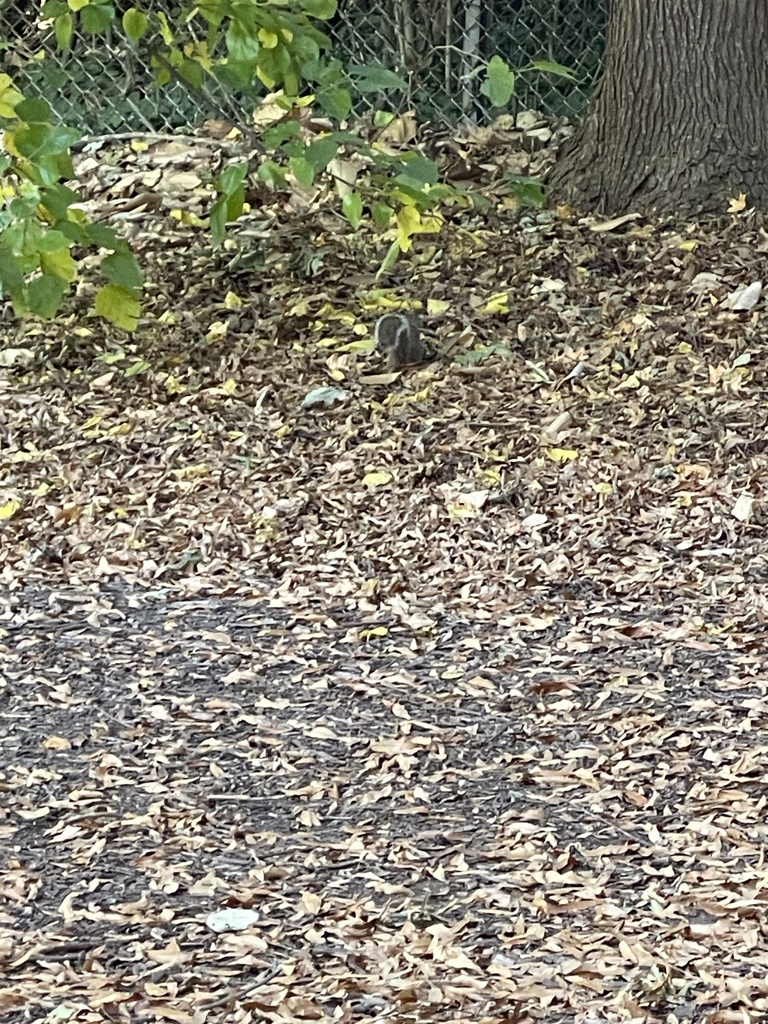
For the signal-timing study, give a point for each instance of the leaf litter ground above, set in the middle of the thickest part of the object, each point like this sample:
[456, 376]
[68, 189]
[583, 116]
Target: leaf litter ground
[458, 685]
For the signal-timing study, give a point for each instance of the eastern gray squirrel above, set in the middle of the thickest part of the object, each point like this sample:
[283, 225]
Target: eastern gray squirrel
[399, 339]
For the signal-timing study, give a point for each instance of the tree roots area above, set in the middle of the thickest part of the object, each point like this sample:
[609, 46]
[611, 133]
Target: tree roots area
[335, 694]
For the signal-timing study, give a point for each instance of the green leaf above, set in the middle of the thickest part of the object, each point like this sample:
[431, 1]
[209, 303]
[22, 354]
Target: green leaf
[527, 191]
[191, 71]
[117, 305]
[44, 295]
[242, 46]
[552, 68]
[421, 200]
[38, 140]
[217, 220]
[305, 49]
[382, 214]
[335, 101]
[302, 170]
[123, 268]
[11, 274]
[57, 199]
[375, 78]
[499, 86]
[275, 65]
[322, 9]
[320, 153]
[53, 8]
[139, 366]
[226, 209]
[352, 207]
[271, 173]
[49, 169]
[135, 24]
[231, 178]
[422, 169]
[24, 206]
[393, 254]
[62, 28]
[96, 17]
[101, 235]
[281, 133]
[382, 118]
[326, 72]
[235, 203]
[52, 241]
[33, 110]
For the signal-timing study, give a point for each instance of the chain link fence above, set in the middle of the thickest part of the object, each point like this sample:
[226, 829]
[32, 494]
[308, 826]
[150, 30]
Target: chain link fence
[439, 47]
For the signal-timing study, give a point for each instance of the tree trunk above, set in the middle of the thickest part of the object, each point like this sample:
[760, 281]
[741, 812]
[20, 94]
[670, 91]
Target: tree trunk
[679, 120]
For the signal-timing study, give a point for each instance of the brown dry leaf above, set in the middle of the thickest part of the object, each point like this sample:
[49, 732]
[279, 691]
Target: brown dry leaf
[479, 739]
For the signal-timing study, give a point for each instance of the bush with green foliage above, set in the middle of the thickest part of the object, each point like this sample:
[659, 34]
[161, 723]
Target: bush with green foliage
[276, 44]
[40, 224]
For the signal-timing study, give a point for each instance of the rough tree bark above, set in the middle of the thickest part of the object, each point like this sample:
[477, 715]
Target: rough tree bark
[679, 120]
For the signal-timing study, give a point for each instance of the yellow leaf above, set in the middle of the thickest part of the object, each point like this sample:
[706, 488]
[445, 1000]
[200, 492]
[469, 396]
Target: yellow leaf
[9, 97]
[498, 303]
[232, 301]
[562, 454]
[267, 39]
[189, 219]
[218, 329]
[689, 246]
[374, 631]
[191, 472]
[379, 478]
[174, 386]
[460, 510]
[60, 264]
[408, 223]
[9, 509]
[119, 430]
[165, 29]
[139, 146]
[432, 224]
[265, 79]
[491, 477]
[117, 305]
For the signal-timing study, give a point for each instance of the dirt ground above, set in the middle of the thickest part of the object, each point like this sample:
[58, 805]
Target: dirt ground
[457, 685]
